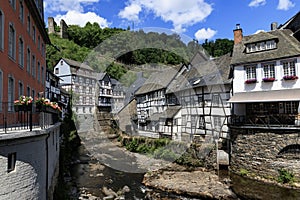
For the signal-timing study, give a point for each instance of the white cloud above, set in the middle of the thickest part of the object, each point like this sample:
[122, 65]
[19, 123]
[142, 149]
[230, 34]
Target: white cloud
[203, 34]
[256, 3]
[182, 13]
[66, 5]
[131, 12]
[285, 5]
[77, 18]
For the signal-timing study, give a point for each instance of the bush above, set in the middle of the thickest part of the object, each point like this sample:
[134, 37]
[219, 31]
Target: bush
[285, 176]
[243, 172]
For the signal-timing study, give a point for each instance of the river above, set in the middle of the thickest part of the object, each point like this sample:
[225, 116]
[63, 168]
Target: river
[91, 176]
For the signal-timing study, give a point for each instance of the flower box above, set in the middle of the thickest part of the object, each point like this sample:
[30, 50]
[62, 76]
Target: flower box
[292, 77]
[250, 81]
[268, 79]
[23, 107]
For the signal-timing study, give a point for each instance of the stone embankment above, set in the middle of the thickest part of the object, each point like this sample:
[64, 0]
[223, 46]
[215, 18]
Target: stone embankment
[197, 183]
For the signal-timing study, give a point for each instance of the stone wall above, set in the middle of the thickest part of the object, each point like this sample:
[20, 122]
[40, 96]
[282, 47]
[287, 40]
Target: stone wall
[258, 152]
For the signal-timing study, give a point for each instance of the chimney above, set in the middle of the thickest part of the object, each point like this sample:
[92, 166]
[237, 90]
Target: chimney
[274, 26]
[238, 34]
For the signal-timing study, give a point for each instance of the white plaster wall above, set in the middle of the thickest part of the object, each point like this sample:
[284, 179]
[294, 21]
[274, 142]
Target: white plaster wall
[279, 84]
[64, 72]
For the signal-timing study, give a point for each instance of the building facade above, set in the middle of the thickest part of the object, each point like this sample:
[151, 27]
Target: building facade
[23, 40]
[265, 121]
[80, 80]
[151, 101]
[105, 92]
[200, 95]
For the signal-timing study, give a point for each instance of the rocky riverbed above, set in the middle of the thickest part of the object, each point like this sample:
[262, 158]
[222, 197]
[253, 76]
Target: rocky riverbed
[196, 183]
[98, 174]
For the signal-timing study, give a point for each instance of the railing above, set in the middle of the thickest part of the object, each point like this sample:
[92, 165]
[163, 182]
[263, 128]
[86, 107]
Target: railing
[12, 119]
[270, 120]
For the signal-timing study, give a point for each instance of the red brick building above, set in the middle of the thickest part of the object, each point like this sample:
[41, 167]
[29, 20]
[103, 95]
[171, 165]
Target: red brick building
[23, 40]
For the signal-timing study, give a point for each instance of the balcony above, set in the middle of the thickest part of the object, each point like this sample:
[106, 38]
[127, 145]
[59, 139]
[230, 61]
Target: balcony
[266, 121]
[15, 120]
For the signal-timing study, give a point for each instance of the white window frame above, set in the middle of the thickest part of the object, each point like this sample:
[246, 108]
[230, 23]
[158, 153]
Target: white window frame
[269, 70]
[289, 68]
[250, 71]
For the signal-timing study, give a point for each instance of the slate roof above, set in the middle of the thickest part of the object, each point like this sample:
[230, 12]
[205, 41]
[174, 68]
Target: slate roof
[77, 64]
[169, 113]
[211, 72]
[158, 80]
[287, 46]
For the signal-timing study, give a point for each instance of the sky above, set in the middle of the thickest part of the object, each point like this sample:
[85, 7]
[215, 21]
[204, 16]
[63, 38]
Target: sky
[194, 19]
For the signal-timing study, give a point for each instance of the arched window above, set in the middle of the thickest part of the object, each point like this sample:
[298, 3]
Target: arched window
[11, 42]
[21, 52]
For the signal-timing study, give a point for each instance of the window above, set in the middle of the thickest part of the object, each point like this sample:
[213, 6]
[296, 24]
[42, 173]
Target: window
[11, 42]
[21, 11]
[56, 70]
[291, 107]
[28, 60]
[39, 43]
[260, 46]
[42, 75]
[33, 70]
[21, 52]
[251, 72]
[11, 95]
[28, 91]
[289, 68]
[39, 72]
[184, 120]
[193, 121]
[217, 122]
[11, 161]
[28, 24]
[33, 93]
[33, 33]
[271, 44]
[21, 88]
[13, 3]
[215, 99]
[201, 122]
[1, 30]
[269, 70]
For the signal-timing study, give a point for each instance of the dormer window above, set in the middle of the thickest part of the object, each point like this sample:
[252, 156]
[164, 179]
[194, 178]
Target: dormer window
[260, 46]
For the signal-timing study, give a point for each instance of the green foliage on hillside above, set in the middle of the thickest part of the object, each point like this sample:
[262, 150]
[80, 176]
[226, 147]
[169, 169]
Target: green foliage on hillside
[219, 47]
[64, 48]
[114, 49]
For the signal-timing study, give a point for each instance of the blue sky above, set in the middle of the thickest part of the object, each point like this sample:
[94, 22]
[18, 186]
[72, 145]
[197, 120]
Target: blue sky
[196, 19]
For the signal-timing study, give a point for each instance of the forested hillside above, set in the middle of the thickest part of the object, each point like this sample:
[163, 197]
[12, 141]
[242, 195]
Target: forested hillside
[114, 49]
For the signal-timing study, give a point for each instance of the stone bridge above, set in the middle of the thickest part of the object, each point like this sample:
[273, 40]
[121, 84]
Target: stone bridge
[262, 153]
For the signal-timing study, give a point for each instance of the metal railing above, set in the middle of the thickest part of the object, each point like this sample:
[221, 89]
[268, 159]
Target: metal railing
[12, 119]
[266, 120]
